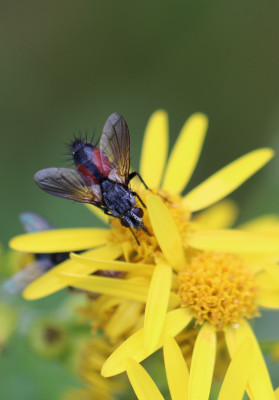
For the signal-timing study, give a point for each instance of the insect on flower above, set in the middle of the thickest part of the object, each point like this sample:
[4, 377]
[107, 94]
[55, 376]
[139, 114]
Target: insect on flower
[33, 222]
[102, 177]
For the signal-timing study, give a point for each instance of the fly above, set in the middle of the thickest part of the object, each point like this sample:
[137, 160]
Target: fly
[102, 175]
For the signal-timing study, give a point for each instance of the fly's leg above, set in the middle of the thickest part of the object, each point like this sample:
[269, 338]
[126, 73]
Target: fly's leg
[135, 173]
[132, 175]
[107, 212]
[101, 207]
[134, 235]
[136, 195]
[104, 209]
[146, 230]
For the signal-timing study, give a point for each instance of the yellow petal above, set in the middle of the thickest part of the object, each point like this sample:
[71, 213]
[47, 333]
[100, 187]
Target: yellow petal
[154, 149]
[185, 154]
[219, 216]
[59, 240]
[237, 375]
[202, 363]
[127, 250]
[264, 223]
[133, 347]
[156, 305]
[266, 282]
[174, 302]
[124, 318]
[259, 384]
[141, 382]
[127, 289]
[138, 325]
[166, 232]
[277, 394]
[50, 282]
[103, 305]
[176, 370]
[260, 258]
[268, 296]
[99, 213]
[254, 263]
[234, 241]
[112, 265]
[269, 300]
[227, 179]
[272, 269]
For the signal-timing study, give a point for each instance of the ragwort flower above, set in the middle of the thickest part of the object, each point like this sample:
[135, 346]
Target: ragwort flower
[218, 287]
[193, 385]
[181, 271]
[91, 358]
[117, 243]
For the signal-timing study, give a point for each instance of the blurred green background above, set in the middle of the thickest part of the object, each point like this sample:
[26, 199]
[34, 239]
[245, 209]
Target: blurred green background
[66, 65]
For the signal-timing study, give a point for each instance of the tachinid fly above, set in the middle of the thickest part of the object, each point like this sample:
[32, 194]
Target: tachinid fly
[102, 176]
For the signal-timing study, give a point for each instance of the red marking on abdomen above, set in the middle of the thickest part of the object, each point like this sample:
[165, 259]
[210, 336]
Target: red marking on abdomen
[102, 162]
[88, 176]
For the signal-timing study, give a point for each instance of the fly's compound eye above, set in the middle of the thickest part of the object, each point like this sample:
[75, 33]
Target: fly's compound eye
[125, 222]
[138, 212]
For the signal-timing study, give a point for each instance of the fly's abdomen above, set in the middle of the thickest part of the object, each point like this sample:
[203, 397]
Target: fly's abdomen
[83, 157]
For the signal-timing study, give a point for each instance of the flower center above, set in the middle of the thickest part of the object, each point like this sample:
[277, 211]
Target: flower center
[218, 288]
[52, 334]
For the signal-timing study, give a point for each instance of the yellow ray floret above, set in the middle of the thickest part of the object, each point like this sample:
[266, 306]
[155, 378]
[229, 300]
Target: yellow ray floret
[130, 289]
[51, 281]
[155, 149]
[124, 318]
[219, 216]
[259, 384]
[137, 375]
[269, 290]
[156, 305]
[234, 241]
[238, 372]
[166, 232]
[232, 388]
[202, 364]
[226, 180]
[60, 240]
[185, 154]
[85, 259]
[133, 347]
[176, 370]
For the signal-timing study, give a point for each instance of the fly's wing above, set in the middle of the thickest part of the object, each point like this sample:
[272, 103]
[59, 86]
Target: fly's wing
[33, 222]
[115, 144]
[68, 184]
[21, 279]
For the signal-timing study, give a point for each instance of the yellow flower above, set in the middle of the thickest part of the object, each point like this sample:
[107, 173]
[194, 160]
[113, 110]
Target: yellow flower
[215, 286]
[91, 357]
[117, 243]
[181, 271]
[196, 384]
